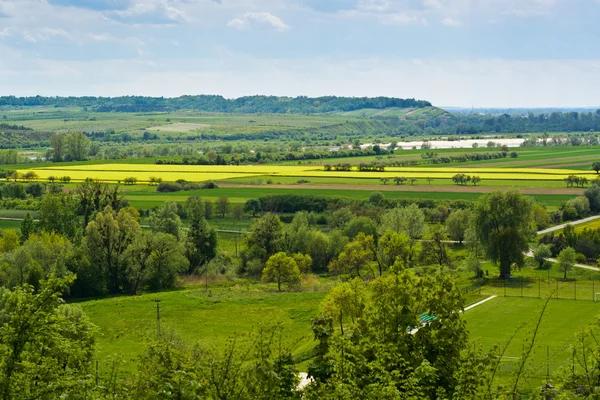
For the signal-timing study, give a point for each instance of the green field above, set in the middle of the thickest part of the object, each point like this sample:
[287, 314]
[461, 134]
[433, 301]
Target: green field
[146, 197]
[495, 321]
[201, 317]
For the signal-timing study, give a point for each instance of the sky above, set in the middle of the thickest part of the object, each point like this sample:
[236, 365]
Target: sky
[465, 53]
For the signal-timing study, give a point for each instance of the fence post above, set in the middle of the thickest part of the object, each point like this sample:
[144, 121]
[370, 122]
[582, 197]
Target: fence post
[547, 363]
[522, 284]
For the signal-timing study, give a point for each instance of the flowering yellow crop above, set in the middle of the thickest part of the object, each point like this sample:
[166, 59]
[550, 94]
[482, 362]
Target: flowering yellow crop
[200, 173]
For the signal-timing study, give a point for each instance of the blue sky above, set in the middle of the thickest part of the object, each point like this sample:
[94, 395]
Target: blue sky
[482, 53]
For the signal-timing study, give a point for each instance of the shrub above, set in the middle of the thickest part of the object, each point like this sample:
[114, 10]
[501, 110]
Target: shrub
[209, 185]
[166, 187]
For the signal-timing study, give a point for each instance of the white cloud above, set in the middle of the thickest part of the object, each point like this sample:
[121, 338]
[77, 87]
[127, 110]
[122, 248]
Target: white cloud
[150, 10]
[403, 19]
[107, 37]
[258, 20]
[451, 22]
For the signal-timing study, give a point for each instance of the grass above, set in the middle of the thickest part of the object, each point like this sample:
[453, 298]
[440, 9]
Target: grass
[493, 322]
[201, 317]
[588, 225]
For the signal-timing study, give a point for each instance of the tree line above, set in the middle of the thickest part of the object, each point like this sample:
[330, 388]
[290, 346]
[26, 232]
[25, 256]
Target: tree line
[213, 103]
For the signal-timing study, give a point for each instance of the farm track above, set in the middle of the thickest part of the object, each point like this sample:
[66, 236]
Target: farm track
[408, 188]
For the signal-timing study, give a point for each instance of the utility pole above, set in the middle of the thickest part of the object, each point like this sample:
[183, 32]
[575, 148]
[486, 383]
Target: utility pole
[236, 237]
[157, 301]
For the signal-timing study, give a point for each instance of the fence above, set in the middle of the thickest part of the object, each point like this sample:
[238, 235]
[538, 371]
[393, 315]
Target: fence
[539, 287]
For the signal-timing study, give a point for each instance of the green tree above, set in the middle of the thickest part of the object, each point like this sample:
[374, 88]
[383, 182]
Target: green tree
[281, 268]
[223, 206]
[107, 239]
[303, 261]
[238, 212]
[28, 227]
[77, 146]
[354, 258]
[596, 166]
[541, 253]
[410, 220]
[253, 206]
[202, 240]
[420, 363]
[138, 261]
[166, 262]
[43, 256]
[457, 224]
[266, 237]
[208, 209]
[504, 225]
[94, 196]
[346, 302]
[593, 195]
[57, 142]
[435, 246]
[46, 347]
[166, 220]
[540, 216]
[394, 247]
[359, 225]
[339, 218]
[58, 213]
[9, 240]
[376, 198]
[566, 260]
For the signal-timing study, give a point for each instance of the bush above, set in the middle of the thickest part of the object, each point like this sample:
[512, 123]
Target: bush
[167, 187]
[209, 185]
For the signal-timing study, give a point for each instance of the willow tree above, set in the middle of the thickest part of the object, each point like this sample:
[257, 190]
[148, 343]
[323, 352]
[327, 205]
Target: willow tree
[504, 224]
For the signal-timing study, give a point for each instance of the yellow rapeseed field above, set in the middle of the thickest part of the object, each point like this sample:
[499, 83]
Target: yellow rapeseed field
[200, 173]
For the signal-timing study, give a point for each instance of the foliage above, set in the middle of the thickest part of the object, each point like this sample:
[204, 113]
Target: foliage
[435, 247]
[201, 241]
[504, 225]
[457, 224]
[58, 214]
[566, 260]
[541, 253]
[356, 256]
[409, 364]
[281, 268]
[214, 103]
[265, 239]
[46, 347]
[223, 206]
[166, 220]
[107, 239]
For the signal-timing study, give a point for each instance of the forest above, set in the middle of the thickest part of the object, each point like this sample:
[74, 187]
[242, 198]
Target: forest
[249, 104]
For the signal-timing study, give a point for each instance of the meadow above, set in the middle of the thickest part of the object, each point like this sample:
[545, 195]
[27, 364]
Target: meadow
[207, 318]
[497, 320]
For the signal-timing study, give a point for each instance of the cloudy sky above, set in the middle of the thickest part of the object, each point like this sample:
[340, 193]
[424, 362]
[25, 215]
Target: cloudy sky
[482, 53]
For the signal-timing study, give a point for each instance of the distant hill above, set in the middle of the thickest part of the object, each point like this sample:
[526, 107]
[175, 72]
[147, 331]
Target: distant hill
[211, 103]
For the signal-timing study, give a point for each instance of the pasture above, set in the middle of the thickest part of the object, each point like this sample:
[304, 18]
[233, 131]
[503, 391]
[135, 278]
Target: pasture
[496, 321]
[206, 318]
